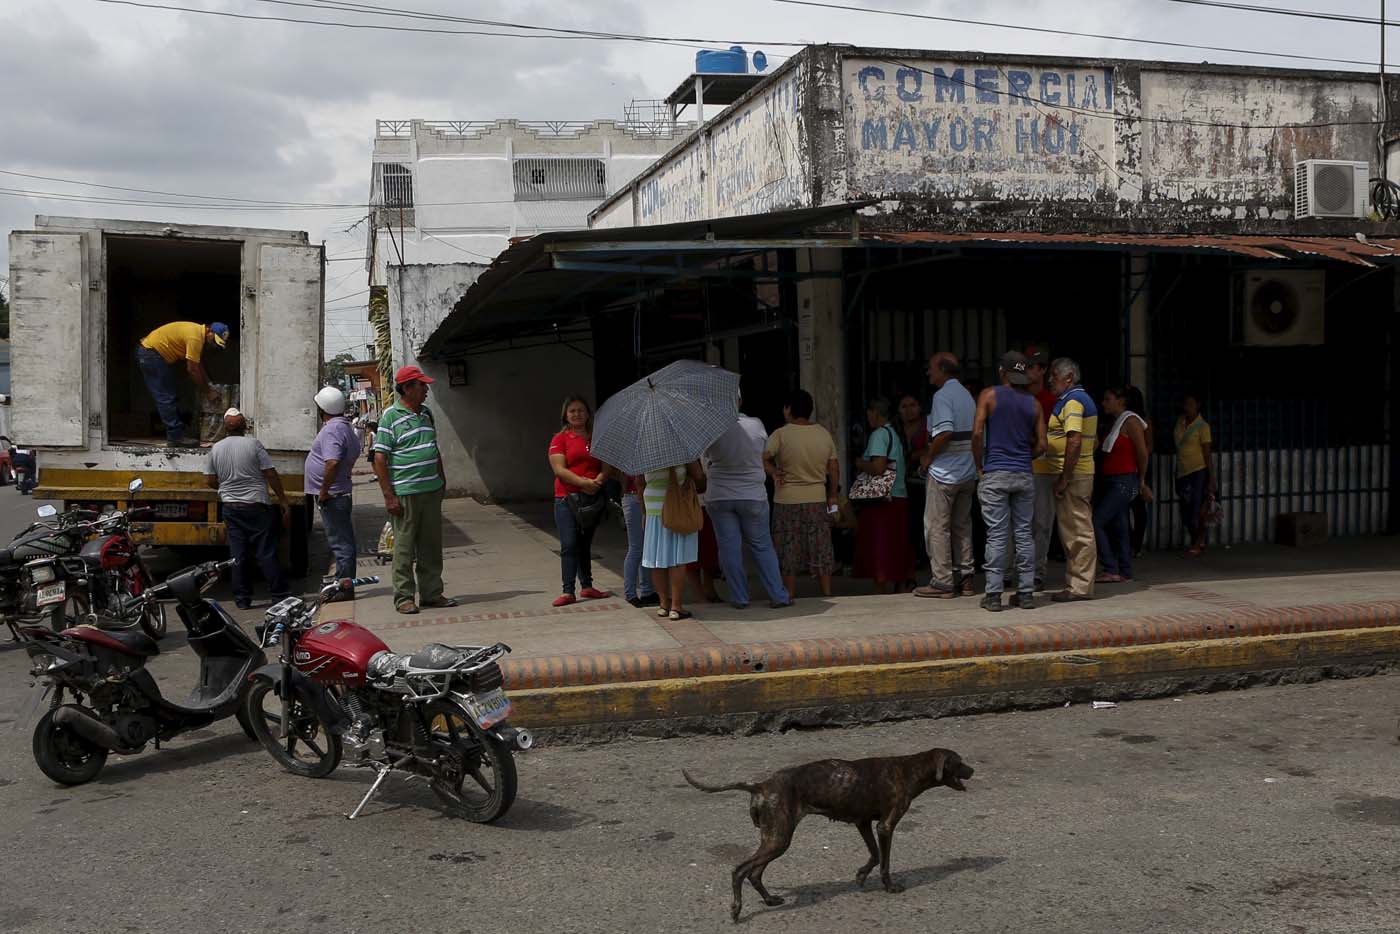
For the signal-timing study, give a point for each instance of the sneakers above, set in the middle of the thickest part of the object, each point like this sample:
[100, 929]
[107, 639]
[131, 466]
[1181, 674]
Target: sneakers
[775, 605]
[1023, 601]
[992, 603]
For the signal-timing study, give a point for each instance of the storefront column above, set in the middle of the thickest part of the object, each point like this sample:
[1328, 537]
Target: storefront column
[821, 342]
[1139, 319]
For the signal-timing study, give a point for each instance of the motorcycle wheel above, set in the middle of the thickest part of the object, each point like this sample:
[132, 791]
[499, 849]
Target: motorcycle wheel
[65, 756]
[475, 779]
[309, 750]
[153, 621]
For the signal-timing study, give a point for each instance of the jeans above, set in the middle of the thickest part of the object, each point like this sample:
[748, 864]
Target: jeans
[635, 584]
[253, 533]
[1191, 496]
[160, 382]
[575, 547]
[340, 533]
[1008, 509]
[1044, 524]
[1111, 526]
[744, 522]
[418, 547]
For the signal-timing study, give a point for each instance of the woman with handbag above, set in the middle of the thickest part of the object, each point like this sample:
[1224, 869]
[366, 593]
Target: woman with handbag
[672, 539]
[579, 501]
[882, 539]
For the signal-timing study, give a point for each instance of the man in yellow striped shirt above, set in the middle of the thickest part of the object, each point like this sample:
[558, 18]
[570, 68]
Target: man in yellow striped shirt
[1071, 435]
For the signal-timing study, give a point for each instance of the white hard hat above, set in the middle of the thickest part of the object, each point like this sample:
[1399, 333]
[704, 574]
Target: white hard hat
[331, 400]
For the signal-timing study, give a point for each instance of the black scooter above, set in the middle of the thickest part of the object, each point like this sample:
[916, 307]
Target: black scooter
[117, 705]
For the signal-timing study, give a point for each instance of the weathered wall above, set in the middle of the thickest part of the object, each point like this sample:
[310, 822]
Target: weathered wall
[494, 431]
[966, 140]
[750, 160]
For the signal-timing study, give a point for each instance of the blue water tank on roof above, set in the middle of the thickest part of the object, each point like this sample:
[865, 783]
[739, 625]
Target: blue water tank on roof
[735, 61]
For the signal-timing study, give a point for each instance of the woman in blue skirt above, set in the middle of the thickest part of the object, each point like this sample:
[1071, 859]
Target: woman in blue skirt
[665, 552]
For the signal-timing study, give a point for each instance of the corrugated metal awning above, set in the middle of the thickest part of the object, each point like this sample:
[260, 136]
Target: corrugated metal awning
[1361, 252]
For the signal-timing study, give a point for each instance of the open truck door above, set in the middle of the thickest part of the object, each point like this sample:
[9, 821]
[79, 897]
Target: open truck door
[48, 287]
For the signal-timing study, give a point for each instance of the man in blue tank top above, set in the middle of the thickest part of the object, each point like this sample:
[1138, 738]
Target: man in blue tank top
[1008, 432]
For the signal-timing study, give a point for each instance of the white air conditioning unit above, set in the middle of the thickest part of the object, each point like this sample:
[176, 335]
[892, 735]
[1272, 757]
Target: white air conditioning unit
[1278, 307]
[1330, 188]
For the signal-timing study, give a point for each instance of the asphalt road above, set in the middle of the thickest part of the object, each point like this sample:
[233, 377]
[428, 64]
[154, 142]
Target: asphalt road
[1271, 810]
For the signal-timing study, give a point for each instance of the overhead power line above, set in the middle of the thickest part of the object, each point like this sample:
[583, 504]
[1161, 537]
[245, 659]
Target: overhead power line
[1045, 30]
[1286, 11]
[546, 33]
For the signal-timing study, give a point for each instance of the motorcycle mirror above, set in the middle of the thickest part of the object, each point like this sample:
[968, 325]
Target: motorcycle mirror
[46, 511]
[135, 486]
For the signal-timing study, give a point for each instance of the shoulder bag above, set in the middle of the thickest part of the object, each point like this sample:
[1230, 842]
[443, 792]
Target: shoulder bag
[871, 489]
[680, 512]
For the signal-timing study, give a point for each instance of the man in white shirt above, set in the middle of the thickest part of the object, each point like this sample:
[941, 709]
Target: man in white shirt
[737, 501]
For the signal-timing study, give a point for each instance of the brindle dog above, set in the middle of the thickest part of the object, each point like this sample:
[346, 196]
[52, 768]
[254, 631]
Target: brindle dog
[859, 792]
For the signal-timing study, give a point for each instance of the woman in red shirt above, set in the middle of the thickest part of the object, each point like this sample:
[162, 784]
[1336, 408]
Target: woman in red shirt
[576, 470]
[1124, 470]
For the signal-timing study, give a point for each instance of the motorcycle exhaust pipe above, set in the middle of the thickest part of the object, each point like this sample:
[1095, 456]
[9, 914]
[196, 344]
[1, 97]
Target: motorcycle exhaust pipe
[91, 729]
[515, 736]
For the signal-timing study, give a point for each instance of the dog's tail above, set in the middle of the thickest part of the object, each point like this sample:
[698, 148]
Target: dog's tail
[736, 786]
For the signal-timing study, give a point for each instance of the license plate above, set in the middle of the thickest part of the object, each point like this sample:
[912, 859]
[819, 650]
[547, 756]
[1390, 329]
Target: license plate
[50, 594]
[488, 709]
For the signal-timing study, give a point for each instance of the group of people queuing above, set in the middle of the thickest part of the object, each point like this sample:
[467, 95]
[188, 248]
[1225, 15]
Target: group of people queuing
[1035, 454]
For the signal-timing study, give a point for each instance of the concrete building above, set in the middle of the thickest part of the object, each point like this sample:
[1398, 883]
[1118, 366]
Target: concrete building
[1226, 230]
[447, 197]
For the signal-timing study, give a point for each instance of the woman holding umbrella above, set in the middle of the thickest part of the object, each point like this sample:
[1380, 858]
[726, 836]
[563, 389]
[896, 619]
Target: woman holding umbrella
[658, 427]
[665, 551]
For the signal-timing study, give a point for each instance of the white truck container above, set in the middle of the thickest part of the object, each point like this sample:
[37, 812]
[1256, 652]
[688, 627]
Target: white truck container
[83, 294]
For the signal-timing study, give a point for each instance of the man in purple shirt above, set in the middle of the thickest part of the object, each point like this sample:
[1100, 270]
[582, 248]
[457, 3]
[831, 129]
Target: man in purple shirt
[328, 466]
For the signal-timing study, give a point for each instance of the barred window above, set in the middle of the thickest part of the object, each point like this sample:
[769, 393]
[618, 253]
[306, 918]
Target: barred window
[396, 185]
[560, 179]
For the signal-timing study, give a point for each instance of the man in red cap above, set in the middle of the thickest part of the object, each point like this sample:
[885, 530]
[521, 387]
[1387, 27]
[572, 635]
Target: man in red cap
[409, 468]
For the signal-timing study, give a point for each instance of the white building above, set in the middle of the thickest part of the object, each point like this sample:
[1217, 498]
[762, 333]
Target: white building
[447, 197]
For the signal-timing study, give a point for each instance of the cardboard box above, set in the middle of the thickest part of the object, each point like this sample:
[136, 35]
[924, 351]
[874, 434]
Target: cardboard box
[1300, 529]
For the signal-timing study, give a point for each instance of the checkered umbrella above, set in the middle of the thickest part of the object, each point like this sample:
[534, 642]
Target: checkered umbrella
[667, 419]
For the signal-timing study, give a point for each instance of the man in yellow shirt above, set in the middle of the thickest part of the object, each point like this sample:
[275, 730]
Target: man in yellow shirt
[159, 354]
[1071, 436]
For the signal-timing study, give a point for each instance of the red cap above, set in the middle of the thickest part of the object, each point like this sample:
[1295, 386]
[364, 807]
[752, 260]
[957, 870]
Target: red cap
[410, 374]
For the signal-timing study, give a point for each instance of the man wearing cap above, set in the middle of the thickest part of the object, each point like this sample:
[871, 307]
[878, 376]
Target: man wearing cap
[239, 468]
[1007, 434]
[328, 467]
[158, 355]
[409, 469]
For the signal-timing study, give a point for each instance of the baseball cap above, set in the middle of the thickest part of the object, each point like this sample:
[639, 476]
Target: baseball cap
[233, 413]
[220, 333]
[410, 374]
[1014, 365]
[1037, 357]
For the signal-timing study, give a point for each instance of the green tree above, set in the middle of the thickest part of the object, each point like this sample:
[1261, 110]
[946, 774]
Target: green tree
[333, 370]
[4, 314]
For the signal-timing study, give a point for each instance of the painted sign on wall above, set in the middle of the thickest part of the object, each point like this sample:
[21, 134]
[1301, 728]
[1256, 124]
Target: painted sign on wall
[751, 161]
[978, 130]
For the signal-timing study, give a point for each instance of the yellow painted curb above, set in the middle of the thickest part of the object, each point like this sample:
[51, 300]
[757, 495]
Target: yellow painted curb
[820, 687]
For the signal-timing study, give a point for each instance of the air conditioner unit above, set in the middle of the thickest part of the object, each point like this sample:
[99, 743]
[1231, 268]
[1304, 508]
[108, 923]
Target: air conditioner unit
[1330, 188]
[1278, 307]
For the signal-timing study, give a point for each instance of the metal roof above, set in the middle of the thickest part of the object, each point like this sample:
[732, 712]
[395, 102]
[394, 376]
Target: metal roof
[1357, 250]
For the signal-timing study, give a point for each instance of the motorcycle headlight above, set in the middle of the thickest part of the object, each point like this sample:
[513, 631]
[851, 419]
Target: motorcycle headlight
[43, 574]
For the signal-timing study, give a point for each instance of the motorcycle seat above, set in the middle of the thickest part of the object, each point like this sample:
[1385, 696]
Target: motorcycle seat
[126, 641]
[436, 657]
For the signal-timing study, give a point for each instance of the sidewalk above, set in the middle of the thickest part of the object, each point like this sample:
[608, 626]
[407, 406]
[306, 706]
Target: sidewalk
[502, 566]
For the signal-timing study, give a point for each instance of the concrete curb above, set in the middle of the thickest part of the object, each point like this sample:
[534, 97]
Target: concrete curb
[714, 703]
[616, 669]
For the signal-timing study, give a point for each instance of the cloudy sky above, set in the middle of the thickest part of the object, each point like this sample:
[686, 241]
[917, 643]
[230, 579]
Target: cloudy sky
[198, 104]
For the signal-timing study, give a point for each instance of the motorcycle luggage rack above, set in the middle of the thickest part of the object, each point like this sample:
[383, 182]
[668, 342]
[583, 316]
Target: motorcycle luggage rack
[424, 684]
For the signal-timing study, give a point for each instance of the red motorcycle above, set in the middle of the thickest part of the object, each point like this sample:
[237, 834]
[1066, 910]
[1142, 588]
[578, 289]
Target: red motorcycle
[337, 690]
[117, 576]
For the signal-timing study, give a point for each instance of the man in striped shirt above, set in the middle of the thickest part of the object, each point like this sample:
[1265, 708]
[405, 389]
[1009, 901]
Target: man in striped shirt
[409, 468]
